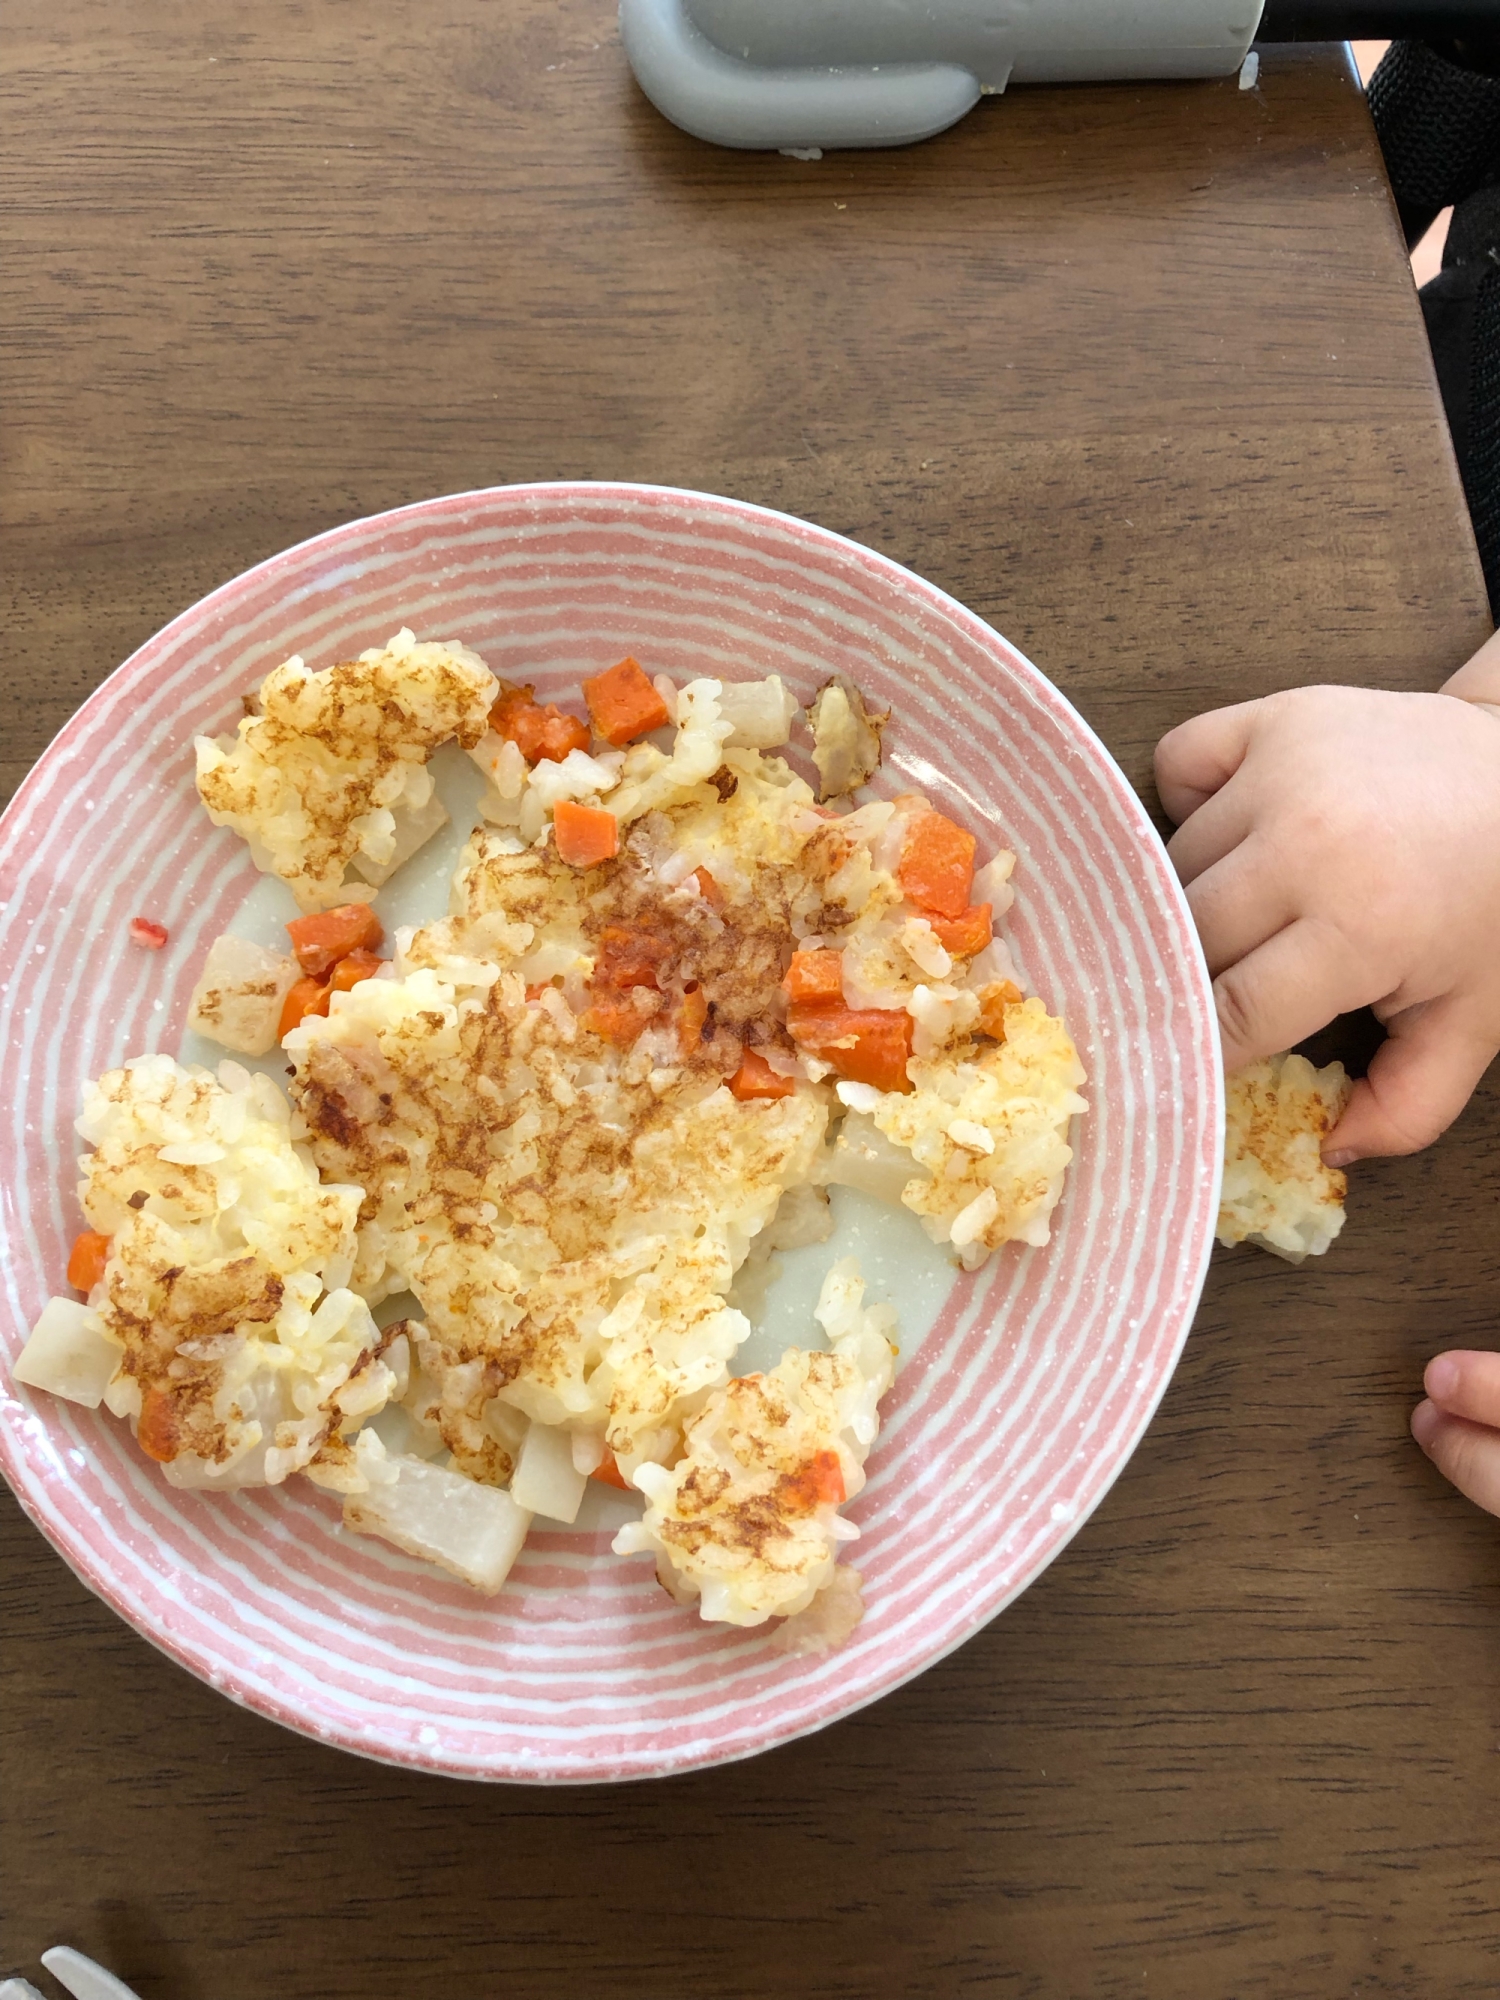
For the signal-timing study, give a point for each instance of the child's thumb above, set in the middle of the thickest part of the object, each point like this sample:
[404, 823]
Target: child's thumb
[1423, 1075]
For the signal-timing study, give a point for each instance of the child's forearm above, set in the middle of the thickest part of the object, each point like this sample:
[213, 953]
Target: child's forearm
[1479, 679]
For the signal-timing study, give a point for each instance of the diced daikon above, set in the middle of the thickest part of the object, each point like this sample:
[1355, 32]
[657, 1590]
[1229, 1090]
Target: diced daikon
[69, 1354]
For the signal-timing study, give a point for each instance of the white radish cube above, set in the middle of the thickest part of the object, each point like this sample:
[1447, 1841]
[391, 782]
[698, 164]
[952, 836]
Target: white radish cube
[237, 1001]
[473, 1531]
[761, 711]
[69, 1354]
[546, 1481]
[864, 1158]
[588, 1450]
[415, 826]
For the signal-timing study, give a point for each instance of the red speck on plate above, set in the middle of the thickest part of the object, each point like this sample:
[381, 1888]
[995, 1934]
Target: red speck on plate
[144, 932]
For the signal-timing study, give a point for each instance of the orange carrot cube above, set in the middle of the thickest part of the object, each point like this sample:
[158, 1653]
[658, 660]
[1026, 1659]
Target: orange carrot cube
[816, 977]
[993, 1002]
[322, 939]
[691, 1016]
[936, 870]
[86, 1260]
[308, 996]
[623, 703]
[865, 1044]
[964, 935]
[755, 1078]
[585, 835]
[539, 733]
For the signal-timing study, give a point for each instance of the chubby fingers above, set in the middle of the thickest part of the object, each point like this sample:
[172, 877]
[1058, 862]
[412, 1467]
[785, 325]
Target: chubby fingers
[1287, 989]
[1196, 758]
[1465, 1452]
[1465, 1382]
[1422, 1076]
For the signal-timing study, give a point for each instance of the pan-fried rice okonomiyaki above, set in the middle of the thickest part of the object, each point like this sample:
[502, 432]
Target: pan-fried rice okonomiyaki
[679, 992]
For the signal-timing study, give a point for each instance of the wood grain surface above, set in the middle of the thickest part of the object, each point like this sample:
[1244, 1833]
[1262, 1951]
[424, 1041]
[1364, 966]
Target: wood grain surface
[1137, 373]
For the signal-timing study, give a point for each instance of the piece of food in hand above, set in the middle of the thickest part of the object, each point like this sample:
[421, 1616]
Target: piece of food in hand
[240, 995]
[1277, 1193]
[846, 737]
[239, 1351]
[746, 1522]
[331, 775]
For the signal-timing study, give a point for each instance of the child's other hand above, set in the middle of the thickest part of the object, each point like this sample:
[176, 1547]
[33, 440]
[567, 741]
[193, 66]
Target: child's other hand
[1341, 849]
[1459, 1425]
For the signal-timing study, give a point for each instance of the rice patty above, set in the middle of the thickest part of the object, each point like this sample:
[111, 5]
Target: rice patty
[331, 773]
[226, 1284]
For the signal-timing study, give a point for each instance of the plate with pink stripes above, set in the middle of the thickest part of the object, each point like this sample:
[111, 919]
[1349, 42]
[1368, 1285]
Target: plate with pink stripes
[1022, 1389]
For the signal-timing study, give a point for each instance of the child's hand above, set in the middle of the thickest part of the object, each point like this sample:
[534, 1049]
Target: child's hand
[1459, 1425]
[1341, 849]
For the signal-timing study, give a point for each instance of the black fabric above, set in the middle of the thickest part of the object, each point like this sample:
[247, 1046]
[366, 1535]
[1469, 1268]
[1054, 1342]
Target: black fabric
[1439, 128]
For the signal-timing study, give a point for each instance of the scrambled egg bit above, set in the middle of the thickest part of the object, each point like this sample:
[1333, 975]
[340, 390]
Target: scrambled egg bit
[1277, 1192]
[674, 997]
[331, 772]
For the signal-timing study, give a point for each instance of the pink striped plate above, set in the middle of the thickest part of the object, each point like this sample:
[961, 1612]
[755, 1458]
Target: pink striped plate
[1032, 1381]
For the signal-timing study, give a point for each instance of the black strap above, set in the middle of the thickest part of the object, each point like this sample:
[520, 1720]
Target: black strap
[1439, 128]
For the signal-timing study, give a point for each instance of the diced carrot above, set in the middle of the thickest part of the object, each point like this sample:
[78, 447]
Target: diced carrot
[866, 1045]
[539, 733]
[937, 865]
[351, 970]
[755, 1078]
[156, 1426]
[993, 1001]
[629, 957]
[86, 1260]
[608, 1472]
[964, 935]
[708, 888]
[818, 1482]
[618, 1018]
[322, 939]
[585, 835]
[308, 996]
[816, 977]
[691, 1015]
[145, 931]
[623, 703]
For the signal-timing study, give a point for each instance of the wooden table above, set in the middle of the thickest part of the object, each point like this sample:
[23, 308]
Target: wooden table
[1136, 372]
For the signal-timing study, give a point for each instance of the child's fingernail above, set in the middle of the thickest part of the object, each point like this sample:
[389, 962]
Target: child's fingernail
[1425, 1419]
[1441, 1378]
[1343, 1156]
